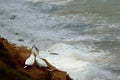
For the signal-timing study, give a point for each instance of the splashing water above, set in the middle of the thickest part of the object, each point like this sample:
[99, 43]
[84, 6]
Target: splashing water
[81, 37]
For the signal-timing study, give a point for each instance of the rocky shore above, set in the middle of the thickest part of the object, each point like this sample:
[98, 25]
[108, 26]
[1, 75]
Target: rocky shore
[12, 60]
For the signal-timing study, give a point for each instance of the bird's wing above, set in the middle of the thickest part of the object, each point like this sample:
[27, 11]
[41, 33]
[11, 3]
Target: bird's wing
[41, 63]
[30, 60]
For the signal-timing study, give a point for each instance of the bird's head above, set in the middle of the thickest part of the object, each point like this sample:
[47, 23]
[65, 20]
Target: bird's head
[36, 51]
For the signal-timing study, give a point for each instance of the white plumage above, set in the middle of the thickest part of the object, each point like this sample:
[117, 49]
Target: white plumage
[39, 61]
[30, 60]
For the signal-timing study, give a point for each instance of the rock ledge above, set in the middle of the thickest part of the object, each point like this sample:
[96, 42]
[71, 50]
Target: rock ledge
[12, 60]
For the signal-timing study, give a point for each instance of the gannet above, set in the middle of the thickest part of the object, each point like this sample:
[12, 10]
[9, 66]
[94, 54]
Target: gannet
[30, 60]
[41, 63]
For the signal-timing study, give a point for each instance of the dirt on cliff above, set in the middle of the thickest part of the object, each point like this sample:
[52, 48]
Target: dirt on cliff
[12, 59]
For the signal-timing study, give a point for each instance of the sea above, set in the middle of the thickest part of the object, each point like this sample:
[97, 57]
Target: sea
[81, 37]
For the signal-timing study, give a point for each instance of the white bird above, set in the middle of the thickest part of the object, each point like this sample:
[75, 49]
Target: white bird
[30, 60]
[41, 63]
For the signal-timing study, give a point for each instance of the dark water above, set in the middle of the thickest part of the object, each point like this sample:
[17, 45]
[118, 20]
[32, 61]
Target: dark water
[85, 32]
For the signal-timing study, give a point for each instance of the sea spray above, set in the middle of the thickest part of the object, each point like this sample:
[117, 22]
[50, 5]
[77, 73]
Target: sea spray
[79, 36]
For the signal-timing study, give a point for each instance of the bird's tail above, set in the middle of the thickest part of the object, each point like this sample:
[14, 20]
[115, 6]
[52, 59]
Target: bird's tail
[25, 66]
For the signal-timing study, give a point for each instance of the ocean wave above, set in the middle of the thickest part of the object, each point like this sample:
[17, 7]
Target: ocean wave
[57, 2]
[43, 7]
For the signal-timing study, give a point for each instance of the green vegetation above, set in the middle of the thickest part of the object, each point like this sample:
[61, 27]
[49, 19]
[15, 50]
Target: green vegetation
[8, 73]
[8, 70]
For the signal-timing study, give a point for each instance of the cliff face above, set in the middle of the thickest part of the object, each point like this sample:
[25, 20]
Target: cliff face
[12, 60]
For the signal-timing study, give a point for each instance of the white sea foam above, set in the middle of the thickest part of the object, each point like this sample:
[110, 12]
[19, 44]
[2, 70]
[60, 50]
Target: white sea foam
[77, 65]
[68, 43]
[58, 2]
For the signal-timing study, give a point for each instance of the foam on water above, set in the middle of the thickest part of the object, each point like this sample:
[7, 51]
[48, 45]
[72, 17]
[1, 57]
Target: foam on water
[77, 65]
[70, 44]
[28, 24]
[58, 2]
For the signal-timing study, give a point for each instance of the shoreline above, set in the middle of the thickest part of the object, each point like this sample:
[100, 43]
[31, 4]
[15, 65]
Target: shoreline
[12, 60]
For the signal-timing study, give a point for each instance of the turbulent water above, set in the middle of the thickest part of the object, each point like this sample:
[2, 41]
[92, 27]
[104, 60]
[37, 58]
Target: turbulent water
[81, 37]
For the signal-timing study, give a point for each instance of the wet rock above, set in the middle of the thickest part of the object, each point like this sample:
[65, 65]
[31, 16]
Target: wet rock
[12, 16]
[17, 34]
[21, 40]
[54, 53]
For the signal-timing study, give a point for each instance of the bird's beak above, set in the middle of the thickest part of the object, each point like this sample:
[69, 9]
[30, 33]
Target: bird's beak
[35, 48]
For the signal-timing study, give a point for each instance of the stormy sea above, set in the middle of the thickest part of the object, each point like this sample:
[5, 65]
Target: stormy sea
[81, 37]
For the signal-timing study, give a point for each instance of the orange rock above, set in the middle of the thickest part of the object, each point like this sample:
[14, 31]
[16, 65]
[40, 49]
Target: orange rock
[18, 55]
